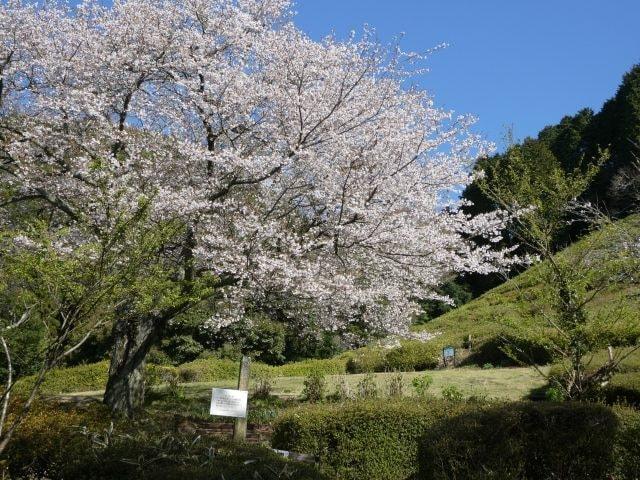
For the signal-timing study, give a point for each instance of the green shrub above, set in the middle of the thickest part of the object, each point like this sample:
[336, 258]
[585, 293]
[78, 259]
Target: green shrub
[399, 439]
[258, 336]
[26, 345]
[421, 384]
[372, 439]
[211, 369]
[327, 366]
[408, 357]
[81, 378]
[314, 387]
[452, 393]
[532, 441]
[181, 348]
[554, 394]
[263, 385]
[342, 391]
[367, 360]
[94, 376]
[162, 374]
[413, 356]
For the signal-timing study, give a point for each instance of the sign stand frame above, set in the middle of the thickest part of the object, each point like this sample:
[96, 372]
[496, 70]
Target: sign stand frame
[240, 425]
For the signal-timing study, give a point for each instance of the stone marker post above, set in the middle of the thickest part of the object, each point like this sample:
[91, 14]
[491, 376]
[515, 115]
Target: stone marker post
[240, 427]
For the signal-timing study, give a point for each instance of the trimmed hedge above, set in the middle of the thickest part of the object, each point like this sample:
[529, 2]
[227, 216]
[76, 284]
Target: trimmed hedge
[623, 388]
[81, 378]
[410, 356]
[86, 378]
[413, 356]
[434, 439]
[58, 442]
[533, 441]
[212, 369]
[373, 439]
[91, 377]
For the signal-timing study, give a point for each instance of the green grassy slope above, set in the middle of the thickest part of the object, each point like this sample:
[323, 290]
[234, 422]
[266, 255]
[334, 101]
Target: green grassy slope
[493, 312]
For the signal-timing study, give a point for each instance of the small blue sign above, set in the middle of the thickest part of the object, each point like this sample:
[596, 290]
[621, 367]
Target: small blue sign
[448, 352]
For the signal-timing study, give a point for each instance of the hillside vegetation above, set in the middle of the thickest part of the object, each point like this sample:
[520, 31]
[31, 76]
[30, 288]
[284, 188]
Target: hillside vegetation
[520, 301]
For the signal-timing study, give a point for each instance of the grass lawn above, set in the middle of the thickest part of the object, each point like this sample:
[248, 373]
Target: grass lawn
[504, 383]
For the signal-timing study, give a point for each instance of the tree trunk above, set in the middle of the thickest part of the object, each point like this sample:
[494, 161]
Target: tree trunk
[133, 339]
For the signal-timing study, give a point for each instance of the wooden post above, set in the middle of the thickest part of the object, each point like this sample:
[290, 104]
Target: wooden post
[610, 351]
[240, 427]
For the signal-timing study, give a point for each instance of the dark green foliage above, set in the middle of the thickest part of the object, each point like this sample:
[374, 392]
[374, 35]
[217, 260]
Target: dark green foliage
[509, 350]
[259, 337]
[315, 386]
[532, 441]
[421, 384]
[435, 439]
[457, 290]
[576, 143]
[181, 349]
[71, 443]
[367, 387]
[26, 345]
[617, 127]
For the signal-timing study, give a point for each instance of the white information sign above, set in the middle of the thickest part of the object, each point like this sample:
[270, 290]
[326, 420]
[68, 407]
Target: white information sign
[229, 403]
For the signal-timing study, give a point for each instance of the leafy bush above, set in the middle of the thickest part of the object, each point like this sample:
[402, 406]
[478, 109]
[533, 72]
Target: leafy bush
[258, 336]
[26, 344]
[366, 360]
[181, 348]
[413, 356]
[342, 391]
[452, 393]
[93, 376]
[399, 439]
[408, 357]
[211, 369]
[263, 385]
[81, 378]
[314, 387]
[535, 441]
[372, 439]
[328, 366]
[421, 384]
[62, 443]
[161, 374]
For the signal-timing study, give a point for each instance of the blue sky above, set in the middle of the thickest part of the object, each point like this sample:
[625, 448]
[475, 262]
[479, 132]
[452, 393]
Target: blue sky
[525, 63]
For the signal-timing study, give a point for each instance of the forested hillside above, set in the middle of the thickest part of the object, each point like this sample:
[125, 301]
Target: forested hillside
[609, 139]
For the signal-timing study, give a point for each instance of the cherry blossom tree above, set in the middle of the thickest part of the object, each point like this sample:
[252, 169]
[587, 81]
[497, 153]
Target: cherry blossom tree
[295, 166]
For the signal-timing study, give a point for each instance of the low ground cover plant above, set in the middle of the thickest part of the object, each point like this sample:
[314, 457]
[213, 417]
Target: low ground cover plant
[64, 442]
